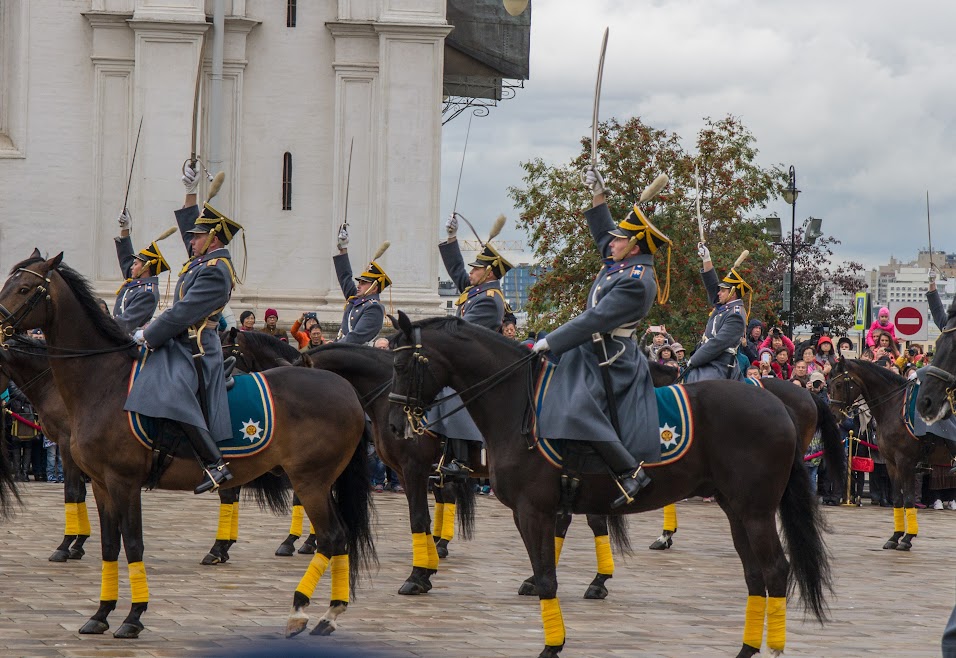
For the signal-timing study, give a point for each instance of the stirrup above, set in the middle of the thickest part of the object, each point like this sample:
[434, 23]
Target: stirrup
[223, 473]
[640, 479]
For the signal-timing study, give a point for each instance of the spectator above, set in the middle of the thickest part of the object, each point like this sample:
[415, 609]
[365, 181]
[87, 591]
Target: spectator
[809, 356]
[227, 319]
[765, 354]
[825, 356]
[671, 363]
[799, 373]
[766, 370]
[845, 347]
[381, 343]
[659, 337]
[867, 355]
[679, 355]
[781, 363]
[776, 340]
[885, 347]
[302, 327]
[882, 323]
[315, 337]
[272, 325]
[54, 465]
[102, 304]
[744, 351]
[247, 321]
[818, 389]
[753, 372]
[755, 329]
[665, 353]
[509, 326]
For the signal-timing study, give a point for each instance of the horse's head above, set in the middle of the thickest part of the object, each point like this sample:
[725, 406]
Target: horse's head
[418, 375]
[24, 298]
[843, 388]
[937, 392]
[256, 352]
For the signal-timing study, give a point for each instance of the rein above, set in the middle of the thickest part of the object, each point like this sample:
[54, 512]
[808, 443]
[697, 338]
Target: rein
[876, 402]
[65, 353]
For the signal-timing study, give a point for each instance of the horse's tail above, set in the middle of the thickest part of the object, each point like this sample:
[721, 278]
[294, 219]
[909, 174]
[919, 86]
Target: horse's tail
[465, 497]
[832, 442]
[803, 528]
[9, 494]
[352, 501]
[617, 530]
[269, 491]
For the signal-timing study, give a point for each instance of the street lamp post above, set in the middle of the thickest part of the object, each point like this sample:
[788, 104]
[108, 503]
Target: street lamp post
[790, 196]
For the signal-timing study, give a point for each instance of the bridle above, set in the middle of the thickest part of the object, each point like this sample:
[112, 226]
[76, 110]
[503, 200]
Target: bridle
[11, 320]
[414, 406]
[849, 407]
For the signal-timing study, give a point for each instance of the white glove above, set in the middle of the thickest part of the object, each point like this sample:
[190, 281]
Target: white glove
[139, 337]
[124, 220]
[540, 346]
[451, 226]
[342, 241]
[594, 181]
[190, 179]
[932, 276]
[703, 251]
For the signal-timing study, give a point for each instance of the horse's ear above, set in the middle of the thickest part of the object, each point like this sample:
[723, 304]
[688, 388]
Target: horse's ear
[306, 361]
[36, 253]
[394, 321]
[404, 324]
[283, 362]
[54, 262]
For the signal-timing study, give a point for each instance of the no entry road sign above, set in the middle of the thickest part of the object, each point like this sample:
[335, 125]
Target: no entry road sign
[910, 320]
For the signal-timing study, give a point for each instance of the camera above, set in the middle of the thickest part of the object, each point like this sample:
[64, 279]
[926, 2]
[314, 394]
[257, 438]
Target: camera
[912, 351]
[310, 315]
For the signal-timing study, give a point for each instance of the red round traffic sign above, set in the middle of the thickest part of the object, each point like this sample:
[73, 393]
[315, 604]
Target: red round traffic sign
[908, 321]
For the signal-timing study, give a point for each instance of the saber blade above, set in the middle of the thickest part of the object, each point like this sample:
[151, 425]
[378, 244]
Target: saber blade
[461, 168]
[348, 184]
[129, 179]
[700, 221]
[597, 100]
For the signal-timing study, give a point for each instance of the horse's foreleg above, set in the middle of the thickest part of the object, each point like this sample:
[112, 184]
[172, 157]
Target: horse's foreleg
[561, 525]
[765, 543]
[131, 526]
[537, 531]
[110, 547]
[77, 527]
[446, 506]
[605, 560]
[287, 547]
[215, 554]
[756, 589]
[908, 488]
[666, 540]
[899, 523]
[424, 550]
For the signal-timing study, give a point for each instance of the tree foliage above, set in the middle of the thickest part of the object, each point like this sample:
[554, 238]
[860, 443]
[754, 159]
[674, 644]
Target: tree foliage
[734, 192]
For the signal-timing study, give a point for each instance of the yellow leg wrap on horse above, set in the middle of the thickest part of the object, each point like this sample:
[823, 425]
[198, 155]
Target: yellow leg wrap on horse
[912, 526]
[298, 519]
[432, 551]
[72, 522]
[448, 522]
[109, 582]
[898, 520]
[605, 561]
[340, 578]
[753, 621]
[670, 517]
[553, 622]
[311, 528]
[439, 519]
[558, 545]
[234, 529]
[420, 549]
[225, 522]
[83, 519]
[137, 582]
[317, 567]
[776, 622]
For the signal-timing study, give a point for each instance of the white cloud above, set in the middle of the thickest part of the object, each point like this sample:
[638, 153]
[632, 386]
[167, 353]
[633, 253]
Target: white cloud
[858, 96]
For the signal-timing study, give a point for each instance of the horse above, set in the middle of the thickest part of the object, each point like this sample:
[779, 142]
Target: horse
[752, 479]
[884, 392]
[320, 448]
[370, 371]
[936, 400]
[27, 365]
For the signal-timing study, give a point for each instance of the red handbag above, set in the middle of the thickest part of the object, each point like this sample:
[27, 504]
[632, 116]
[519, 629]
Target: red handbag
[862, 464]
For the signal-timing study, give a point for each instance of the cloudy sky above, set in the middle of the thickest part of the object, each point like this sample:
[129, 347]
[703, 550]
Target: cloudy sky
[859, 96]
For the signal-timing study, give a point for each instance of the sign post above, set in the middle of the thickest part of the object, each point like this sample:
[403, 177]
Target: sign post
[910, 320]
[859, 313]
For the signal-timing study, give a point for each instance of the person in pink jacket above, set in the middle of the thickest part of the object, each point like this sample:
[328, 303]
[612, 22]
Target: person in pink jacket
[882, 323]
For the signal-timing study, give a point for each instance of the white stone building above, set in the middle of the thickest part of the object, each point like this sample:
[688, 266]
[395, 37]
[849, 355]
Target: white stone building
[303, 84]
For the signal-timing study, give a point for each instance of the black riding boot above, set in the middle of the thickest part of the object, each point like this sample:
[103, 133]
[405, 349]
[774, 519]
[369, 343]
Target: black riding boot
[216, 470]
[455, 464]
[629, 475]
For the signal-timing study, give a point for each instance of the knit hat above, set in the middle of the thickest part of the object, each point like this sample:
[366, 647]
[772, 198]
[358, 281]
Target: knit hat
[825, 339]
[271, 313]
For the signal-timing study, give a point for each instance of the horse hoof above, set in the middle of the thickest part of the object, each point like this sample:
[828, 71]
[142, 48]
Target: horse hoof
[94, 627]
[128, 631]
[306, 549]
[747, 651]
[224, 557]
[285, 550]
[296, 624]
[210, 559]
[528, 588]
[904, 546]
[550, 652]
[890, 545]
[77, 553]
[660, 545]
[442, 551]
[60, 556]
[324, 627]
[411, 588]
[596, 592]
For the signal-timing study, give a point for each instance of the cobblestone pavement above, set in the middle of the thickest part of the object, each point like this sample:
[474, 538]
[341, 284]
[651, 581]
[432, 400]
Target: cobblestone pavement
[687, 601]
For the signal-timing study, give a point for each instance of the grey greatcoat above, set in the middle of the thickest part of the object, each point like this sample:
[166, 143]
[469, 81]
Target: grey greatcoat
[483, 305]
[936, 308]
[138, 298]
[167, 386]
[364, 316]
[576, 406]
[716, 355]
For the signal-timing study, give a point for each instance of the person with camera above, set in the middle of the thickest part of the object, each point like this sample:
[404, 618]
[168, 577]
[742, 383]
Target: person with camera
[302, 328]
[776, 340]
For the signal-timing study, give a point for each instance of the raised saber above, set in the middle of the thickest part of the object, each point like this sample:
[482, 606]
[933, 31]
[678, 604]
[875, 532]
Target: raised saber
[129, 179]
[193, 154]
[700, 222]
[929, 233]
[461, 170]
[348, 184]
[597, 101]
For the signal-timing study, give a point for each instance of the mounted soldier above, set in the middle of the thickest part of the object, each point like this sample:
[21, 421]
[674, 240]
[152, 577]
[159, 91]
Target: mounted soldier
[364, 313]
[182, 377]
[716, 354]
[601, 390]
[483, 303]
[138, 297]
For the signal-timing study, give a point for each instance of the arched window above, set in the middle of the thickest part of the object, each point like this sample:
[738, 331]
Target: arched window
[287, 181]
[290, 13]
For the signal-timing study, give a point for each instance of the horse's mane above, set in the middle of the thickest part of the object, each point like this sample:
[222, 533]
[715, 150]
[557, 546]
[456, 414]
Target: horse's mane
[257, 339]
[350, 347]
[888, 377]
[459, 327]
[77, 283]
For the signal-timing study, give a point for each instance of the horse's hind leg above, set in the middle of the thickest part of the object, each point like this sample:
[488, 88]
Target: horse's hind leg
[110, 547]
[765, 543]
[132, 529]
[448, 499]
[899, 523]
[562, 523]
[756, 589]
[77, 528]
[666, 540]
[910, 525]
[339, 600]
[605, 560]
[287, 547]
[218, 553]
[537, 531]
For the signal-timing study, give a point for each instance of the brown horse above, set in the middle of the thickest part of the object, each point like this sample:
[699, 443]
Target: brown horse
[744, 450]
[319, 447]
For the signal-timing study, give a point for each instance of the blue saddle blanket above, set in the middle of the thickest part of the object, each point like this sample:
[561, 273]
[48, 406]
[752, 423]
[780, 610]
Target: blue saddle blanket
[250, 407]
[917, 426]
[676, 422]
